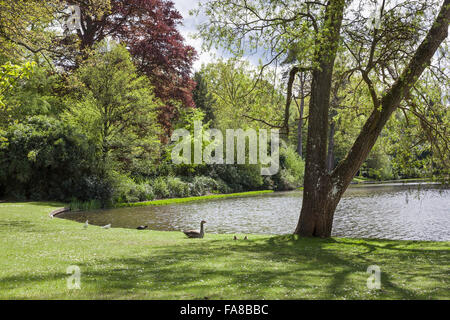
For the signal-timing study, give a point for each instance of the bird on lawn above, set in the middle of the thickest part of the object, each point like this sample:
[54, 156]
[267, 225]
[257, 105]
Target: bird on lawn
[86, 224]
[108, 226]
[195, 233]
[235, 238]
[245, 238]
[142, 227]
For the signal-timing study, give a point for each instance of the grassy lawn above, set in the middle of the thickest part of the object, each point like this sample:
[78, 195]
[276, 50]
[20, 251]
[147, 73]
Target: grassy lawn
[130, 264]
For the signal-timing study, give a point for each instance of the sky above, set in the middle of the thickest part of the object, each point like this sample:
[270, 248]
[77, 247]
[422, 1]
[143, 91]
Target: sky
[189, 27]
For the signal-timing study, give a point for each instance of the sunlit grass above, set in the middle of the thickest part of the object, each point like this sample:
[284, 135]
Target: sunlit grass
[163, 202]
[130, 264]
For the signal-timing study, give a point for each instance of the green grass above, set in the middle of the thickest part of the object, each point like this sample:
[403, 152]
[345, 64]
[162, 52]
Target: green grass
[130, 264]
[361, 179]
[368, 180]
[163, 202]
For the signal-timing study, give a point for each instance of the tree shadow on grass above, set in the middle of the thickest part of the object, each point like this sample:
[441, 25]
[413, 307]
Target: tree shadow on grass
[55, 204]
[254, 268]
[279, 267]
[18, 225]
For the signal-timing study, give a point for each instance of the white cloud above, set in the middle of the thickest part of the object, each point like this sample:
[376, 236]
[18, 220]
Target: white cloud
[189, 28]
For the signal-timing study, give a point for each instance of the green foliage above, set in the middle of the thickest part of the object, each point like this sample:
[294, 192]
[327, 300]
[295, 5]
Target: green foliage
[160, 188]
[163, 202]
[292, 170]
[23, 25]
[294, 164]
[34, 27]
[10, 75]
[236, 178]
[242, 96]
[77, 205]
[126, 190]
[117, 109]
[202, 185]
[377, 166]
[203, 98]
[34, 94]
[45, 158]
[178, 188]
[98, 117]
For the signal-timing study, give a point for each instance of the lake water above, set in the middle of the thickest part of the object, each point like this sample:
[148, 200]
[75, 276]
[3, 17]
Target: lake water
[394, 211]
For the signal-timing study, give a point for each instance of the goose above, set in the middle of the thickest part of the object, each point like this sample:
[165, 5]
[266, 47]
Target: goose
[195, 233]
[142, 227]
[86, 224]
[108, 226]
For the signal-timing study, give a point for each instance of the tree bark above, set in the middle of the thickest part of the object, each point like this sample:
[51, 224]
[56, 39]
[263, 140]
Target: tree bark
[287, 108]
[330, 157]
[314, 218]
[323, 191]
[300, 120]
[300, 129]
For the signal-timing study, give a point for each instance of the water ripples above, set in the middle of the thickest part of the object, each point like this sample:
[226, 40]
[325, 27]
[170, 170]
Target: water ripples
[400, 212]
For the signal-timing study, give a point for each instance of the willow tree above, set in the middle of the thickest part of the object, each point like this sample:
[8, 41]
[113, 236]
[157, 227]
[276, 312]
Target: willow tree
[390, 48]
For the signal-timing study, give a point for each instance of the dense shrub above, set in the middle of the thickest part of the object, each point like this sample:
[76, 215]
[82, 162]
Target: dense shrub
[160, 188]
[95, 188]
[178, 188]
[237, 178]
[222, 187]
[127, 190]
[203, 185]
[377, 166]
[44, 158]
[292, 171]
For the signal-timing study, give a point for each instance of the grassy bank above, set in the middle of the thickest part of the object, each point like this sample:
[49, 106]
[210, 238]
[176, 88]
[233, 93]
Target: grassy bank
[163, 202]
[130, 264]
[362, 180]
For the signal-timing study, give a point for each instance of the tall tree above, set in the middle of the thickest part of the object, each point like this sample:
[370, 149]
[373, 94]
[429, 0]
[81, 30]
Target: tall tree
[396, 48]
[10, 76]
[241, 100]
[117, 108]
[32, 26]
[149, 30]
[203, 98]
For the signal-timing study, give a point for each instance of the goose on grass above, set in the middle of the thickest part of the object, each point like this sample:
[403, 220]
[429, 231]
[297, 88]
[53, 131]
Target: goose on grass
[196, 234]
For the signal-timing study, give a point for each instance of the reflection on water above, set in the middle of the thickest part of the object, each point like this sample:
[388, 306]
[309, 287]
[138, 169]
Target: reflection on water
[407, 212]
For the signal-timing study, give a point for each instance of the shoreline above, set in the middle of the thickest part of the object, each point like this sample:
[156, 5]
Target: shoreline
[162, 202]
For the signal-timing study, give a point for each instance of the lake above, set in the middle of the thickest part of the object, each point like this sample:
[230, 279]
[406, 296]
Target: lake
[392, 211]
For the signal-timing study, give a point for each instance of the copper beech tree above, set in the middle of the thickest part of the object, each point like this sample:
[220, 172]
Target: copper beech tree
[149, 30]
[389, 49]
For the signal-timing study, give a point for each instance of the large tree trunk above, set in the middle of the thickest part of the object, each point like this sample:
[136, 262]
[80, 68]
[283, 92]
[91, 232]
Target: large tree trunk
[323, 191]
[314, 215]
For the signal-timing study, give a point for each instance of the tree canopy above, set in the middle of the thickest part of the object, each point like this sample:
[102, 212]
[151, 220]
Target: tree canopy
[149, 30]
